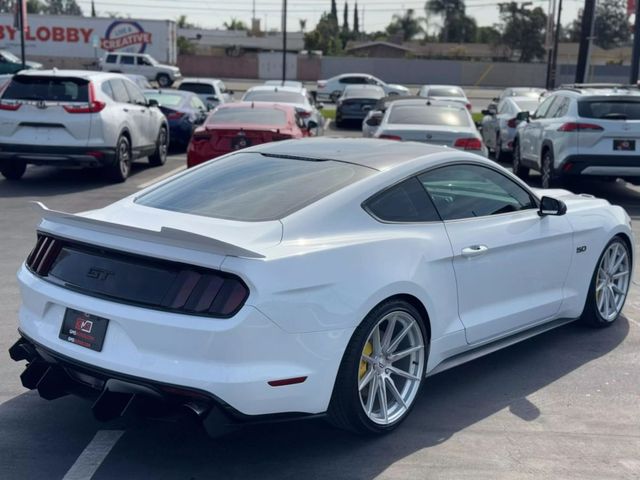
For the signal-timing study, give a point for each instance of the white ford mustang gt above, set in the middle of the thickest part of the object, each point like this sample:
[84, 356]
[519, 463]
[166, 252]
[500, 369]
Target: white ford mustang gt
[309, 277]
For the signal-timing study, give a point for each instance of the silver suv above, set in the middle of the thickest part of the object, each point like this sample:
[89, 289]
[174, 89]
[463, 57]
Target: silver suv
[581, 130]
[78, 118]
[141, 64]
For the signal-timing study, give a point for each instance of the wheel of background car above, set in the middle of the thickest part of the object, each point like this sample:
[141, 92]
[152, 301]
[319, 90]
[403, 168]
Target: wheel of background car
[609, 285]
[120, 169]
[391, 94]
[497, 149]
[518, 169]
[159, 157]
[14, 169]
[382, 370]
[548, 178]
[163, 80]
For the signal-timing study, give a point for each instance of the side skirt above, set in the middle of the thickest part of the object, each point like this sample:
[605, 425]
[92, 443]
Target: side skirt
[494, 346]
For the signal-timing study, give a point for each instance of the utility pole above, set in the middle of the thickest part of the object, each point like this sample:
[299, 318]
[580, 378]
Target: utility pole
[556, 41]
[586, 35]
[548, 41]
[21, 10]
[284, 41]
[635, 56]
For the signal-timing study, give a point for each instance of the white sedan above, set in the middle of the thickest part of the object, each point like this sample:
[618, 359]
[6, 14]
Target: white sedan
[310, 277]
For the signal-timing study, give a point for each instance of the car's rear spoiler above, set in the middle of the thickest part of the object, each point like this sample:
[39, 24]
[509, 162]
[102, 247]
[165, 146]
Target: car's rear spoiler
[166, 235]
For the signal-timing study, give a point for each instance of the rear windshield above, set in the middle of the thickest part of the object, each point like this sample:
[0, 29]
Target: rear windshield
[527, 105]
[255, 116]
[200, 88]
[279, 97]
[428, 115]
[614, 109]
[445, 92]
[251, 187]
[364, 92]
[53, 89]
[165, 99]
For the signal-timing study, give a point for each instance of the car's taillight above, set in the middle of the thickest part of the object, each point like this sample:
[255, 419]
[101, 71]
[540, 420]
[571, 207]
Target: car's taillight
[12, 107]
[512, 123]
[390, 137]
[175, 115]
[468, 105]
[580, 127]
[468, 144]
[322, 83]
[94, 106]
[43, 254]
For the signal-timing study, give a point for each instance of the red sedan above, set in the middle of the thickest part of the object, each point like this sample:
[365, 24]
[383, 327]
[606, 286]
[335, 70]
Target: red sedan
[233, 126]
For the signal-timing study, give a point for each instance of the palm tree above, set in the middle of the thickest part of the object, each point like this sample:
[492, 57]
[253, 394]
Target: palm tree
[408, 24]
[235, 24]
[449, 10]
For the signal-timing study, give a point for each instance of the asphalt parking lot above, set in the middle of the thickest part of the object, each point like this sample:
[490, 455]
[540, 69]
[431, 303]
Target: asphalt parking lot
[564, 405]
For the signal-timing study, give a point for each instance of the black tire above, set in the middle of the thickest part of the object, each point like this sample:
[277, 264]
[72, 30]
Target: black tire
[345, 409]
[518, 169]
[121, 167]
[164, 81]
[548, 177]
[13, 169]
[497, 152]
[591, 315]
[339, 122]
[159, 157]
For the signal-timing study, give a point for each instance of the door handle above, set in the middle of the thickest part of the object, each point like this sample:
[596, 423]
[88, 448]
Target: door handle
[125, 109]
[474, 250]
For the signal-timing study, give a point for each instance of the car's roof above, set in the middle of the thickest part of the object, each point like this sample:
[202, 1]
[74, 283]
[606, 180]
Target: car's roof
[599, 90]
[353, 75]
[442, 86]
[199, 80]
[275, 88]
[367, 152]
[86, 74]
[169, 91]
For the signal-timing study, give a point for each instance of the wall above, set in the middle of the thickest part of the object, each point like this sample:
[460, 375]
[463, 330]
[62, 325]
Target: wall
[245, 66]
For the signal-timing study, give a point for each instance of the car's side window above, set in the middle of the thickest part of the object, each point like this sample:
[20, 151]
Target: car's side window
[503, 107]
[111, 58]
[135, 95]
[542, 110]
[197, 104]
[467, 191]
[126, 59]
[106, 89]
[119, 91]
[559, 109]
[404, 202]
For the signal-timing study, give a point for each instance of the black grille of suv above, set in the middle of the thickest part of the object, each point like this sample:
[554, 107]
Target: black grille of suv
[137, 280]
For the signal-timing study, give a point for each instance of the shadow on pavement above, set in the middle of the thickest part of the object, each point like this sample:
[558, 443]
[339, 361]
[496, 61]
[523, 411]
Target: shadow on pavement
[42, 439]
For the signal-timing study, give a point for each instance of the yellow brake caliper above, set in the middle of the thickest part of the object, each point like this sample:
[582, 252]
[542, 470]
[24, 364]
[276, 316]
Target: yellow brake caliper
[368, 348]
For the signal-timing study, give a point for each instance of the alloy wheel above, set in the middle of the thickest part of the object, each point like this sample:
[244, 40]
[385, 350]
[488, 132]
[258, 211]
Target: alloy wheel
[124, 158]
[612, 281]
[391, 367]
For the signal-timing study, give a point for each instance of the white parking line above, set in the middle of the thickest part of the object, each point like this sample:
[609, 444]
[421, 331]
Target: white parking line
[161, 177]
[93, 455]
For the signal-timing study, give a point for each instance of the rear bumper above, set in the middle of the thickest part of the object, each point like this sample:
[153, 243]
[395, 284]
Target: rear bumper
[57, 155]
[601, 165]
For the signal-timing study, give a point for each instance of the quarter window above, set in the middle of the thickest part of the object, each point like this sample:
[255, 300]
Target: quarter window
[135, 94]
[112, 58]
[119, 91]
[405, 202]
[467, 191]
[542, 110]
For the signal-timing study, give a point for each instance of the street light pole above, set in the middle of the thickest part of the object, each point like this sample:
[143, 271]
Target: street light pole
[556, 40]
[21, 25]
[635, 56]
[284, 41]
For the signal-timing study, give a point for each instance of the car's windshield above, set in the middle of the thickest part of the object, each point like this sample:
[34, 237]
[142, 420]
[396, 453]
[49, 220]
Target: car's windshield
[252, 187]
[274, 96]
[248, 116]
[199, 88]
[428, 115]
[445, 92]
[165, 99]
[363, 92]
[10, 56]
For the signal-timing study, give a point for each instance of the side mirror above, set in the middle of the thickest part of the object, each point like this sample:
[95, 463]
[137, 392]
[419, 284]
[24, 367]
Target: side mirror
[375, 119]
[551, 206]
[311, 125]
[522, 116]
[152, 102]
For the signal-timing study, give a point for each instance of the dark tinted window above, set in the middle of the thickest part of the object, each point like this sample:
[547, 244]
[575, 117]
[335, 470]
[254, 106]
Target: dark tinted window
[127, 59]
[54, 89]
[429, 115]
[255, 116]
[253, 187]
[112, 58]
[354, 80]
[466, 191]
[445, 92]
[280, 97]
[201, 88]
[143, 61]
[119, 91]
[135, 94]
[406, 202]
[622, 109]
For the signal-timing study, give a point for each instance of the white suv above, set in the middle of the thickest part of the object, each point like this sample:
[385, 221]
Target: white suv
[78, 118]
[141, 64]
[590, 130]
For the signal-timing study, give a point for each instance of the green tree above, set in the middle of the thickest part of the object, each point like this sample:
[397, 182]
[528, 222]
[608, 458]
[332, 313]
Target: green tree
[356, 20]
[452, 13]
[235, 24]
[523, 30]
[35, 6]
[407, 24]
[345, 17]
[334, 11]
[303, 24]
[325, 37]
[463, 29]
[61, 7]
[611, 25]
[182, 22]
[490, 35]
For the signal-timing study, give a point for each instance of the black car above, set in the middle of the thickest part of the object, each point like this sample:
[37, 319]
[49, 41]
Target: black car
[356, 101]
